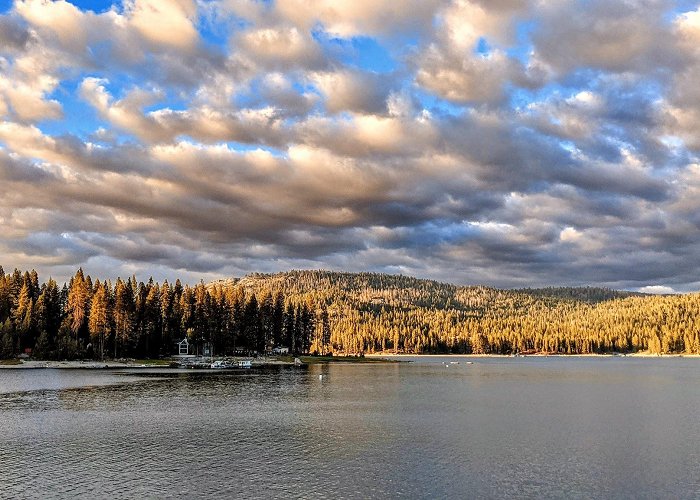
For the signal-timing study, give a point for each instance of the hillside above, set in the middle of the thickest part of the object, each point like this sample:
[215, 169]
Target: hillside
[375, 288]
[371, 312]
[588, 294]
[371, 289]
[342, 313]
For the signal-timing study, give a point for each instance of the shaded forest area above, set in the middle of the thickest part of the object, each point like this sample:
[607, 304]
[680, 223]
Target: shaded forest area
[330, 312]
[130, 319]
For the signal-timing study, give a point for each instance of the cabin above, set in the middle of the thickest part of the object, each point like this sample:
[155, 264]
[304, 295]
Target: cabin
[184, 347]
[280, 350]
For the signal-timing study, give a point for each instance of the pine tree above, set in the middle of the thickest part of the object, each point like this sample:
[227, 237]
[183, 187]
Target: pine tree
[278, 320]
[267, 322]
[123, 315]
[7, 341]
[253, 332]
[23, 318]
[152, 320]
[166, 318]
[289, 327]
[78, 304]
[325, 329]
[99, 322]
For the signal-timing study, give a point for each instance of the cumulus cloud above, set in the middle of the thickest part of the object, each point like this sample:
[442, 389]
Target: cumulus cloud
[614, 36]
[508, 142]
[353, 90]
[462, 79]
[657, 289]
[164, 22]
[280, 48]
[452, 65]
[348, 18]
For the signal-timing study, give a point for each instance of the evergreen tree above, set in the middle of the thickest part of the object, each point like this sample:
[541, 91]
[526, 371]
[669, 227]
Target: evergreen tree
[278, 320]
[167, 330]
[252, 332]
[22, 316]
[99, 322]
[123, 315]
[5, 298]
[289, 328]
[325, 329]
[78, 305]
[267, 323]
[152, 320]
[236, 320]
[201, 315]
[7, 341]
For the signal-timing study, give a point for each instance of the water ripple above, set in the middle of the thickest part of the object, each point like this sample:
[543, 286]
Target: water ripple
[500, 431]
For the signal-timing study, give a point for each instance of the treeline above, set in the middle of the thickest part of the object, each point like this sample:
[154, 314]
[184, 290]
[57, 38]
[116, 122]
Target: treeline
[342, 313]
[375, 312]
[86, 319]
[585, 294]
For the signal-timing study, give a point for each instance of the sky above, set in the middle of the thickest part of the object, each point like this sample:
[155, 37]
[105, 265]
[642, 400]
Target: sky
[510, 143]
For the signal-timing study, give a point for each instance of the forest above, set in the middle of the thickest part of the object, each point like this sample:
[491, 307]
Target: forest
[336, 313]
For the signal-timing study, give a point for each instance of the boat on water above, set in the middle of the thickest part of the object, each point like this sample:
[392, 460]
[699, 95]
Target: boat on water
[245, 363]
[221, 364]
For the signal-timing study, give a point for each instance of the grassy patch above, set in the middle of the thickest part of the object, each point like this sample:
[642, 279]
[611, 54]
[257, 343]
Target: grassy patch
[10, 362]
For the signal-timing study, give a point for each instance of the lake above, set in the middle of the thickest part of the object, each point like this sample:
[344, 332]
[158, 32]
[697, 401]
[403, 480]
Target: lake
[606, 427]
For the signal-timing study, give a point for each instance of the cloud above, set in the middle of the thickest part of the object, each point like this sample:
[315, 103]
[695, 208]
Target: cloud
[656, 289]
[613, 36]
[13, 36]
[509, 142]
[164, 125]
[349, 18]
[280, 48]
[164, 22]
[465, 79]
[62, 19]
[353, 90]
[28, 103]
[681, 109]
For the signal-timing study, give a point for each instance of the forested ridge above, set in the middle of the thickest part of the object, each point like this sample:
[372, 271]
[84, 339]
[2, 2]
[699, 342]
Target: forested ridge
[323, 312]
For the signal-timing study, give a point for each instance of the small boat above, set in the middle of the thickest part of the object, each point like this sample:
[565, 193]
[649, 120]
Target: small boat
[454, 362]
[245, 363]
[220, 364]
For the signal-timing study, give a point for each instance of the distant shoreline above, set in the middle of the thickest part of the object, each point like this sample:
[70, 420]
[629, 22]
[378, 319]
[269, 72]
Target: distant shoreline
[261, 362]
[536, 355]
[309, 360]
[114, 365]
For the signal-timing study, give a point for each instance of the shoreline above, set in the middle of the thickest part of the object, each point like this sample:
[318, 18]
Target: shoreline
[535, 355]
[260, 362]
[307, 360]
[115, 365]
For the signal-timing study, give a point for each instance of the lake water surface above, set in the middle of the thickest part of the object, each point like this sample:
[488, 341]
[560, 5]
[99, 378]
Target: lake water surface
[497, 428]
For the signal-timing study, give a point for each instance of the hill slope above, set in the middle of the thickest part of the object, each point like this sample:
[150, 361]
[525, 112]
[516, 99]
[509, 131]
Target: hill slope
[325, 311]
[371, 312]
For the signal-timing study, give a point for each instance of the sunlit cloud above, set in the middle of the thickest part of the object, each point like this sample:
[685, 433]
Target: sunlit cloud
[512, 143]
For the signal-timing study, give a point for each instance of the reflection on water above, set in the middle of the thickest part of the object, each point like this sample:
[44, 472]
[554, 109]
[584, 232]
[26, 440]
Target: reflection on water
[497, 428]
